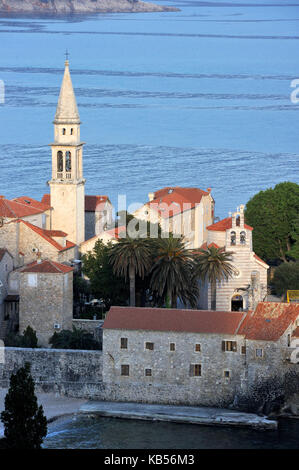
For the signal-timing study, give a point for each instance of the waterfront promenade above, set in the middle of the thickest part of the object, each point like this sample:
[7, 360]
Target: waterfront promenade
[56, 406]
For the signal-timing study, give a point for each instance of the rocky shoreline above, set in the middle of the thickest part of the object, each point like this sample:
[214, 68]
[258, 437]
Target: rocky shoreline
[69, 7]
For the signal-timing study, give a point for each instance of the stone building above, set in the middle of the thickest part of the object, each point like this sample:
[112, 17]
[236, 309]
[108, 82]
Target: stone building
[249, 286]
[183, 211]
[192, 356]
[6, 266]
[46, 299]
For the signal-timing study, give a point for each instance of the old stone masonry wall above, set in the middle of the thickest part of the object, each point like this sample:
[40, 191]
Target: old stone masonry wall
[67, 372]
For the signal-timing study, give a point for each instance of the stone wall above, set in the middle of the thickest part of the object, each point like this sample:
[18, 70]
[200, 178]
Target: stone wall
[92, 326]
[67, 372]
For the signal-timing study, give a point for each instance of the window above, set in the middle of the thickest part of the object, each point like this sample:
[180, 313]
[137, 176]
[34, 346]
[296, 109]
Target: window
[243, 238]
[125, 370]
[243, 349]
[289, 340]
[72, 131]
[229, 346]
[195, 370]
[59, 161]
[226, 374]
[238, 220]
[123, 343]
[148, 372]
[63, 131]
[197, 347]
[232, 238]
[68, 161]
[32, 280]
[259, 352]
[172, 346]
[149, 346]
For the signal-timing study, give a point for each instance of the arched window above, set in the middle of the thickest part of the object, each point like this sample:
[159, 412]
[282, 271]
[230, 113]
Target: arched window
[238, 221]
[63, 131]
[59, 161]
[72, 131]
[243, 238]
[68, 161]
[233, 238]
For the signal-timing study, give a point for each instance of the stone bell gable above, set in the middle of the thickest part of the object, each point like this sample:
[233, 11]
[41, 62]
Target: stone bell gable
[249, 285]
[46, 299]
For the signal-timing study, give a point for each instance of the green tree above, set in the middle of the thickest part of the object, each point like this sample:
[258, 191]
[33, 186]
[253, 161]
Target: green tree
[27, 340]
[131, 256]
[286, 277]
[274, 215]
[214, 265]
[75, 339]
[25, 425]
[104, 284]
[172, 274]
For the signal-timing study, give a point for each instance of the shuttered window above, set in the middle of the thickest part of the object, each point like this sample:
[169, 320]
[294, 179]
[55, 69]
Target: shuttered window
[123, 343]
[125, 369]
[229, 346]
[195, 370]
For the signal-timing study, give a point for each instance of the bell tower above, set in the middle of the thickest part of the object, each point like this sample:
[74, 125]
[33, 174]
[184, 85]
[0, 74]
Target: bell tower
[67, 183]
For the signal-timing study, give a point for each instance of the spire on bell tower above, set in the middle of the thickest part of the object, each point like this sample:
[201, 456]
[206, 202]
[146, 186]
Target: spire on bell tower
[67, 183]
[67, 111]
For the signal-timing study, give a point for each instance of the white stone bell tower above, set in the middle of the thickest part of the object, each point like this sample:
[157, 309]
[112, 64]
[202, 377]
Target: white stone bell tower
[67, 183]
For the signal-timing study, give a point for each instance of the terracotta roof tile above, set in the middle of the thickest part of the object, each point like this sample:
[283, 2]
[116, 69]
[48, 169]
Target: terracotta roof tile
[260, 259]
[175, 200]
[269, 321]
[17, 208]
[224, 224]
[46, 266]
[47, 235]
[91, 202]
[296, 332]
[163, 319]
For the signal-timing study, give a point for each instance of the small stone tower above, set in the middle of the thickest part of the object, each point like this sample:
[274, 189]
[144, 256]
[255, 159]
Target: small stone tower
[67, 183]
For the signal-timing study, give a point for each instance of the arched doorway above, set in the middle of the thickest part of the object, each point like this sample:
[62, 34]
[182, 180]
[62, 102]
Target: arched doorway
[237, 303]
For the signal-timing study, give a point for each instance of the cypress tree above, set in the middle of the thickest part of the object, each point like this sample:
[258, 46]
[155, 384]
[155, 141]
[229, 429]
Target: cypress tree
[24, 421]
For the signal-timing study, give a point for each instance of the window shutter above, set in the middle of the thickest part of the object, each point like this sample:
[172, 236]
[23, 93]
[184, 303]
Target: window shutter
[223, 345]
[191, 370]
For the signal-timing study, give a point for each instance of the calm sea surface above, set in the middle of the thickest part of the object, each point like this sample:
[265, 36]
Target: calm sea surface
[111, 433]
[199, 97]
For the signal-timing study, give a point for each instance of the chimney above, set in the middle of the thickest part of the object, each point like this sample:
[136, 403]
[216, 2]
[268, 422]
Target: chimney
[151, 196]
[209, 190]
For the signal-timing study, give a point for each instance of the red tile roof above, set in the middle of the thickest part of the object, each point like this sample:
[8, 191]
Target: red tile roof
[46, 266]
[176, 200]
[269, 321]
[224, 224]
[163, 319]
[260, 259]
[47, 235]
[92, 203]
[296, 332]
[17, 208]
[204, 246]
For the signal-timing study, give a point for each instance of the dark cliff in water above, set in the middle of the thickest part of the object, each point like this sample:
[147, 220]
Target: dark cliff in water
[63, 7]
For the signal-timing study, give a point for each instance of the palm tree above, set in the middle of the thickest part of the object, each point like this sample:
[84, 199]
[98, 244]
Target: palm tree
[172, 272]
[214, 264]
[131, 256]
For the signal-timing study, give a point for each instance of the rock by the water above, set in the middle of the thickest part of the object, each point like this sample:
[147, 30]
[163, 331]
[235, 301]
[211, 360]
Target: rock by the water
[59, 7]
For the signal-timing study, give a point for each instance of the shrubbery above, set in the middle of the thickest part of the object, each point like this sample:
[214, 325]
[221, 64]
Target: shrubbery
[27, 340]
[286, 276]
[75, 339]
